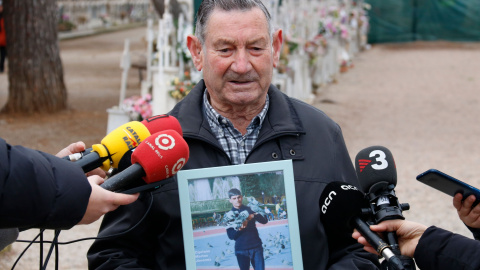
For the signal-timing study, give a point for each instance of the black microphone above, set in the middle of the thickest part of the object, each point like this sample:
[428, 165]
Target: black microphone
[377, 177]
[342, 206]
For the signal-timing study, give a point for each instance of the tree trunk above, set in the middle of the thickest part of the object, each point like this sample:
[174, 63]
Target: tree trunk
[35, 69]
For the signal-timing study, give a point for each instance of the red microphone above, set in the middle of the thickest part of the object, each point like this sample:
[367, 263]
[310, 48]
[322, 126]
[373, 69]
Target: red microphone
[162, 122]
[158, 157]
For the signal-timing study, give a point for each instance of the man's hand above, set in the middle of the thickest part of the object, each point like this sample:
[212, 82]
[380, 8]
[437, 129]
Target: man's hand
[470, 216]
[103, 201]
[408, 234]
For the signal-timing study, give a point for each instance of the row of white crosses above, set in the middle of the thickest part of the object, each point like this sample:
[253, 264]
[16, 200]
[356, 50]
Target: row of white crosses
[88, 14]
[301, 21]
[170, 64]
[159, 73]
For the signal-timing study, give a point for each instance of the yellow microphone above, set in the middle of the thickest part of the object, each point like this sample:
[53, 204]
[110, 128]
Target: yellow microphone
[108, 153]
[131, 134]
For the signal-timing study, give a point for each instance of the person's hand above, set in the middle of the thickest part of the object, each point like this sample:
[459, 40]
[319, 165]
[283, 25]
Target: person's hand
[71, 149]
[77, 148]
[470, 216]
[245, 222]
[408, 234]
[103, 201]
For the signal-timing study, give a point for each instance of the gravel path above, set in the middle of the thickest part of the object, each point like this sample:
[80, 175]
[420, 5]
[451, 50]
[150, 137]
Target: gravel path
[420, 100]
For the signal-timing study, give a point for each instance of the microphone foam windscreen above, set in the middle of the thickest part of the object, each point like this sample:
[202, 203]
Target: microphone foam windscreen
[161, 122]
[373, 165]
[124, 138]
[340, 202]
[161, 155]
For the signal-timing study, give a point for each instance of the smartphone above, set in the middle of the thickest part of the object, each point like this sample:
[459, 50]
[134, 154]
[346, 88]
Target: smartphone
[447, 184]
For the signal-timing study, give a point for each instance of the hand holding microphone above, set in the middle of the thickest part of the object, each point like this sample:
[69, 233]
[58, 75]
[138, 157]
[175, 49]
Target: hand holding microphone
[158, 157]
[77, 150]
[408, 233]
[101, 201]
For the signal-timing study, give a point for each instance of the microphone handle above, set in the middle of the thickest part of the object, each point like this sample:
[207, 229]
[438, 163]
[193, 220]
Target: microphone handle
[407, 262]
[124, 178]
[90, 162]
[78, 156]
[393, 241]
[378, 243]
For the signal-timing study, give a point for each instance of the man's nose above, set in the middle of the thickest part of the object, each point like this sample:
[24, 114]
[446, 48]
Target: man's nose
[241, 63]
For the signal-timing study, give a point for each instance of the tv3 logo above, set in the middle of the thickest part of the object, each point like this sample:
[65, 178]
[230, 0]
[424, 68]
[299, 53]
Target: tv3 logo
[380, 158]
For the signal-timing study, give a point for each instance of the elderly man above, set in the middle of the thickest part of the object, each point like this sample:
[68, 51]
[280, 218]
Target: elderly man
[236, 116]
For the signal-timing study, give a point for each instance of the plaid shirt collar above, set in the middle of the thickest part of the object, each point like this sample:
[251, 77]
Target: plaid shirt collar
[236, 145]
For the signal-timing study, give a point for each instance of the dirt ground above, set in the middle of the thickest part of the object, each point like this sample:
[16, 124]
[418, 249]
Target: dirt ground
[420, 100]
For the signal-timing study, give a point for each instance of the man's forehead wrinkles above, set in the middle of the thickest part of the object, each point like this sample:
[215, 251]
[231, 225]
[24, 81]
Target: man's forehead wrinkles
[227, 41]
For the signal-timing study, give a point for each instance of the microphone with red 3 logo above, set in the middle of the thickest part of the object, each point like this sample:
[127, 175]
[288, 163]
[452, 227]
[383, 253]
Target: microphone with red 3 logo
[377, 177]
[158, 157]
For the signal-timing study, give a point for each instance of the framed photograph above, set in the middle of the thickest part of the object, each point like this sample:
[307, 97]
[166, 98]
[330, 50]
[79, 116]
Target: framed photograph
[240, 215]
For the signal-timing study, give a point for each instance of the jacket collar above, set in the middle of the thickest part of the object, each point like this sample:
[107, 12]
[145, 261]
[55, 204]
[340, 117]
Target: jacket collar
[281, 116]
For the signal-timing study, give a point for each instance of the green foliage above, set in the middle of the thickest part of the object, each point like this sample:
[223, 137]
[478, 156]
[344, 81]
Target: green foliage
[270, 183]
[210, 206]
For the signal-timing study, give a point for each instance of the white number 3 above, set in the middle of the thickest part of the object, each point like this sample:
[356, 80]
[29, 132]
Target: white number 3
[380, 158]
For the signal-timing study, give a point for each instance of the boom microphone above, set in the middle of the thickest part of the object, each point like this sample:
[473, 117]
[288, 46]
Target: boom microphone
[117, 144]
[158, 157]
[341, 207]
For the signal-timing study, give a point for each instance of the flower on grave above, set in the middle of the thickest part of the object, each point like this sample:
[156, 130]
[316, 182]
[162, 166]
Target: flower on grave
[182, 86]
[291, 45]
[105, 18]
[344, 32]
[65, 24]
[138, 107]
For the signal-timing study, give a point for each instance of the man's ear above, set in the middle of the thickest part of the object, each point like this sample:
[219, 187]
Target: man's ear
[195, 48]
[277, 46]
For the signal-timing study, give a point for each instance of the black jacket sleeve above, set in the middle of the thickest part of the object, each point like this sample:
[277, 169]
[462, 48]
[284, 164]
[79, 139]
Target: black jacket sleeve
[443, 250]
[39, 190]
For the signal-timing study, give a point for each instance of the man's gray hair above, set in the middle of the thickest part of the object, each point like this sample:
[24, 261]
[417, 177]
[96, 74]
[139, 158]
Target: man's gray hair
[207, 6]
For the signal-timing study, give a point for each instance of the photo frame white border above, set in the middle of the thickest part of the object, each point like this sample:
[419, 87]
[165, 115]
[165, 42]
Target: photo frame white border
[284, 165]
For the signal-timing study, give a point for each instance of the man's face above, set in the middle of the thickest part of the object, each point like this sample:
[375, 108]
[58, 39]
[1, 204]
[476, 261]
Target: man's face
[238, 58]
[236, 201]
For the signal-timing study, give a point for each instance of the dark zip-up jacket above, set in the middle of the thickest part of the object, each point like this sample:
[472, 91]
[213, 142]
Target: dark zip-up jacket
[39, 190]
[439, 249]
[291, 130]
